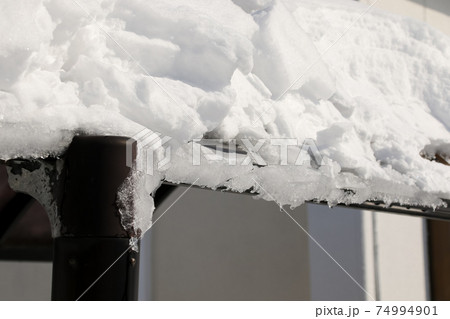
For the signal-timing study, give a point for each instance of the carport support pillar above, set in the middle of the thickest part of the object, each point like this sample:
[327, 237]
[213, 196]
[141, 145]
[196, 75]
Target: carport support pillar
[92, 257]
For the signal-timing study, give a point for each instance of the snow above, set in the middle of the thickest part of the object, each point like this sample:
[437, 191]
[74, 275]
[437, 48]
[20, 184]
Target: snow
[370, 88]
[284, 53]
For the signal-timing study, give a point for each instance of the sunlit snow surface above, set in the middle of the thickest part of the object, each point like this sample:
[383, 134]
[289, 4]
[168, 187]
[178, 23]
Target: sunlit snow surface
[370, 88]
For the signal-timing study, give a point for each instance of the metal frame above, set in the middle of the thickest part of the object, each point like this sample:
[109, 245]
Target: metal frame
[85, 256]
[440, 213]
[92, 236]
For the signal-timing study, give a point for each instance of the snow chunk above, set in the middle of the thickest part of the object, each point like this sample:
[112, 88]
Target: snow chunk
[285, 58]
[213, 36]
[258, 70]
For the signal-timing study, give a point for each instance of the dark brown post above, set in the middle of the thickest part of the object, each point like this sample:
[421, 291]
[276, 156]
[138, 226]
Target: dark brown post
[92, 258]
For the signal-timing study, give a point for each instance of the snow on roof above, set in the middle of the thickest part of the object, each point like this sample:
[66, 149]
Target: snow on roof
[359, 92]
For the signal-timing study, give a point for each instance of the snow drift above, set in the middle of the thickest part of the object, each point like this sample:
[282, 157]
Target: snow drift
[371, 96]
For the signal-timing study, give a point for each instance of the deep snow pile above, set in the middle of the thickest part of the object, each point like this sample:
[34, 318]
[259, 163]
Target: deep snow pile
[235, 70]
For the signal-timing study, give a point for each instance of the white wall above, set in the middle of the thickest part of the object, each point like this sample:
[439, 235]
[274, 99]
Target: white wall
[339, 232]
[395, 250]
[221, 246]
[384, 253]
[25, 280]
[401, 257]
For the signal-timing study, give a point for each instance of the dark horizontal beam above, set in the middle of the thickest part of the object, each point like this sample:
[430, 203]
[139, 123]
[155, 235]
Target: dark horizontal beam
[417, 211]
[440, 213]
